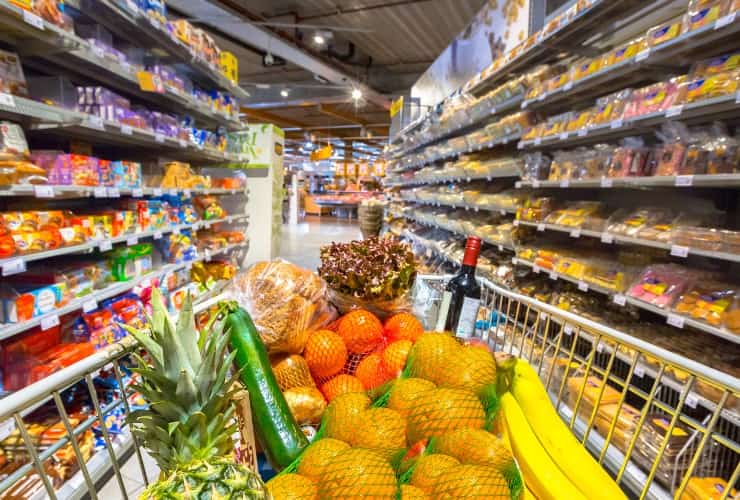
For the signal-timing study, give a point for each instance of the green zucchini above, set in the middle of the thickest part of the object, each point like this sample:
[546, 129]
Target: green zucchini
[277, 431]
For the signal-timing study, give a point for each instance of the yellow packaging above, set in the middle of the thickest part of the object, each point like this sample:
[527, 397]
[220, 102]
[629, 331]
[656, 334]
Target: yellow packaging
[705, 13]
[588, 67]
[183, 31]
[229, 66]
[663, 33]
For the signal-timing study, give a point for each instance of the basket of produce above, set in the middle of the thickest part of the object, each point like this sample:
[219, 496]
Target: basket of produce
[376, 274]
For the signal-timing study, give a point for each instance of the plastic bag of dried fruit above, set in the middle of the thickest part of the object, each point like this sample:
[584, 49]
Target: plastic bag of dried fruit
[286, 303]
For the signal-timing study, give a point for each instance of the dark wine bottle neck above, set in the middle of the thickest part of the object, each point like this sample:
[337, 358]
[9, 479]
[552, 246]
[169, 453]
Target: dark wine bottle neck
[468, 269]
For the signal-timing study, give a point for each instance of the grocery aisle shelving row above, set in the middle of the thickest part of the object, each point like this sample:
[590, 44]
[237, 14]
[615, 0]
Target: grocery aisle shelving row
[90, 301]
[467, 207]
[65, 122]
[14, 265]
[678, 181]
[497, 173]
[70, 191]
[87, 59]
[691, 113]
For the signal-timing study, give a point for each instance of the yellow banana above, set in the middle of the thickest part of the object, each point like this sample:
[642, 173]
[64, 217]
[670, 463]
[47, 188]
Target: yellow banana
[559, 442]
[541, 476]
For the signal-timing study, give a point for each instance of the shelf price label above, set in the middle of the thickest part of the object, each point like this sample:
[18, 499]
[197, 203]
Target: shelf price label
[89, 305]
[49, 322]
[137, 193]
[540, 227]
[617, 123]
[100, 192]
[642, 55]
[553, 275]
[14, 266]
[536, 269]
[673, 111]
[692, 401]
[684, 180]
[725, 21]
[7, 100]
[607, 238]
[95, 122]
[568, 330]
[619, 299]
[157, 235]
[575, 233]
[114, 193]
[133, 240]
[105, 246]
[675, 320]
[582, 132]
[565, 183]
[606, 182]
[33, 20]
[583, 286]
[158, 137]
[127, 129]
[679, 251]
[639, 370]
[43, 191]
[157, 192]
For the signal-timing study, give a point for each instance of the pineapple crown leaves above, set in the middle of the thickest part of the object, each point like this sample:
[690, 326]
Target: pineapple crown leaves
[187, 386]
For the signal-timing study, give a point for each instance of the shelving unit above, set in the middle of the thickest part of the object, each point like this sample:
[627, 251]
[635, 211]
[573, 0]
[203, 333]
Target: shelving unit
[596, 30]
[46, 49]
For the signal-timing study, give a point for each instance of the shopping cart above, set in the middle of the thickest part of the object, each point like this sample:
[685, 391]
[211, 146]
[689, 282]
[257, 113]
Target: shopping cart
[573, 356]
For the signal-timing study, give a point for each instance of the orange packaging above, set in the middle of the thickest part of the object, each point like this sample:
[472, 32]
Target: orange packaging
[37, 241]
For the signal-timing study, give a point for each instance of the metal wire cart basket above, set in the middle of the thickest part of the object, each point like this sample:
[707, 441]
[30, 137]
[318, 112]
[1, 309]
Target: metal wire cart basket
[660, 418]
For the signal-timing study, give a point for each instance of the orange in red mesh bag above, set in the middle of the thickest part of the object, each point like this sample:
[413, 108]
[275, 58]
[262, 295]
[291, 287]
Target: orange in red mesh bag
[285, 302]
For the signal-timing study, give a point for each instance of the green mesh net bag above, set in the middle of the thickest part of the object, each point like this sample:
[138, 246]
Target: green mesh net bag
[358, 474]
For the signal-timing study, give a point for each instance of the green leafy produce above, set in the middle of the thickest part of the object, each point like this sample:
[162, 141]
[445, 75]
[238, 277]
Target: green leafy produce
[372, 269]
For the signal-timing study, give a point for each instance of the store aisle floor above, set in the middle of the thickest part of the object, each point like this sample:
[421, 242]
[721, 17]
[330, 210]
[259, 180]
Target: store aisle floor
[301, 243]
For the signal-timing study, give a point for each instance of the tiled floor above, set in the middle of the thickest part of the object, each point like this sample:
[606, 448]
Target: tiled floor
[300, 245]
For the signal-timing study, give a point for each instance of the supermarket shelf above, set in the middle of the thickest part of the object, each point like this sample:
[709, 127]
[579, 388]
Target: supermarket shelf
[84, 58]
[571, 35]
[462, 128]
[608, 238]
[454, 154]
[501, 210]
[53, 119]
[98, 466]
[499, 173]
[129, 22]
[667, 56]
[634, 477]
[52, 191]
[91, 300]
[462, 234]
[696, 112]
[674, 320]
[679, 181]
[13, 265]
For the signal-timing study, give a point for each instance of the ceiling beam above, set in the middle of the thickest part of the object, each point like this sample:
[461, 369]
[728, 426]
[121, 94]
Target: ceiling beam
[235, 23]
[280, 121]
[334, 112]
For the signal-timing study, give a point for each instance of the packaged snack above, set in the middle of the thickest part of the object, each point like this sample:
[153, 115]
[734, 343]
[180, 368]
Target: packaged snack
[661, 284]
[702, 13]
[662, 33]
[716, 65]
[209, 207]
[648, 221]
[580, 120]
[669, 156]
[586, 68]
[723, 151]
[535, 209]
[21, 302]
[708, 87]
[708, 301]
[630, 159]
[12, 79]
[649, 444]
[654, 98]
[624, 52]
[536, 167]
[706, 488]
[13, 145]
[607, 274]
[610, 108]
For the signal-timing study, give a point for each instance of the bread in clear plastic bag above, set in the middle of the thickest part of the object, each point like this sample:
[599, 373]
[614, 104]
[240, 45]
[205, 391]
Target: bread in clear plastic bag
[285, 301]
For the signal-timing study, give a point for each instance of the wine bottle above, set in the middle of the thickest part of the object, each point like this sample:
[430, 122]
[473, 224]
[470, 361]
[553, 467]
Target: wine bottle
[461, 299]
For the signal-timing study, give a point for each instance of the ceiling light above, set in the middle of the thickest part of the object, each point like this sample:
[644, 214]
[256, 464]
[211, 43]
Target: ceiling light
[285, 92]
[318, 39]
[356, 94]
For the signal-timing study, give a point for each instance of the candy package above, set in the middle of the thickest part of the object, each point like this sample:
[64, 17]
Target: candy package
[712, 302]
[662, 284]
[670, 155]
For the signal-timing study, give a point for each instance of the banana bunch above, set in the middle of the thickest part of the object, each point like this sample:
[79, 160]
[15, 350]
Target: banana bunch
[554, 465]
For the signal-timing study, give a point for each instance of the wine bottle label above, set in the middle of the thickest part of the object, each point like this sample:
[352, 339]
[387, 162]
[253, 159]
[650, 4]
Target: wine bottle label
[444, 309]
[468, 317]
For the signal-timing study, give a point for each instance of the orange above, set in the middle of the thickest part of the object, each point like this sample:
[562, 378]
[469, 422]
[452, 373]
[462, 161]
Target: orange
[325, 354]
[361, 331]
[394, 356]
[403, 326]
[370, 372]
[341, 384]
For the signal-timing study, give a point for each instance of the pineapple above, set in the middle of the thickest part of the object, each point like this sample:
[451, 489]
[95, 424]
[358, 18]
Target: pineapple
[190, 420]
[358, 474]
[471, 481]
[428, 468]
[383, 431]
[442, 410]
[404, 393]
[475, 447]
